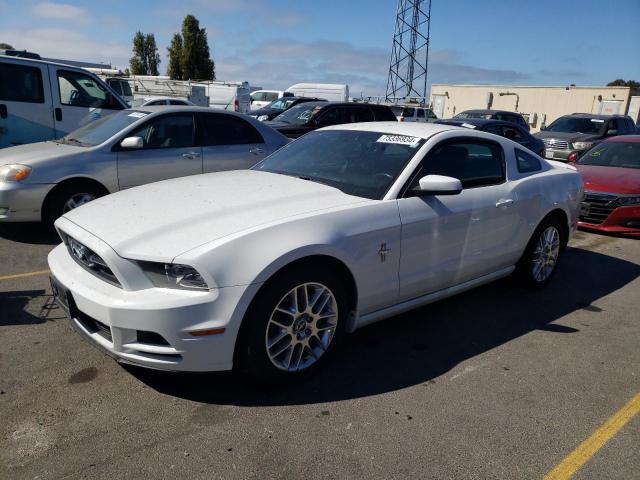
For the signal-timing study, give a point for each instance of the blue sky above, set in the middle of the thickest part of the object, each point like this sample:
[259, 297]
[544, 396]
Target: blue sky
[274, 43]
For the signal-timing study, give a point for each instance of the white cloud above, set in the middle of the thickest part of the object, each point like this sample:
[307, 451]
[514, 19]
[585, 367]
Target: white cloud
[60, 11]
[69, 45]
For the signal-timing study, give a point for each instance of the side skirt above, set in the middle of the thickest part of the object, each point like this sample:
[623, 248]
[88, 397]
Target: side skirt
[429, 298]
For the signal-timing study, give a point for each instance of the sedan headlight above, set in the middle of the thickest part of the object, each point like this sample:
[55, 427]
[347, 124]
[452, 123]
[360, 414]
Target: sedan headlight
[262, 118]
[14, 172]
[174, 275]
[628, 201]
[582, 145]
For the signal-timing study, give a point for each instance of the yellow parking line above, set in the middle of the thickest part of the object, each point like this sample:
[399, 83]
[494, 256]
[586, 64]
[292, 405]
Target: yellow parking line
[587, 449]
[23, 275]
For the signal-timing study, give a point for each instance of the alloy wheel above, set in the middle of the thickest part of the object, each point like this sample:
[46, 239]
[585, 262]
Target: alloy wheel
[545, 255]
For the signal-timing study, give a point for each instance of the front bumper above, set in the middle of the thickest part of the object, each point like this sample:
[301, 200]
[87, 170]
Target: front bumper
[622, 220]
[22, 202]
[555, 154]
[120, 316]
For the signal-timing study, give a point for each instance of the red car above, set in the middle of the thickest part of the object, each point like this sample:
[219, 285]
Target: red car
[611, 174]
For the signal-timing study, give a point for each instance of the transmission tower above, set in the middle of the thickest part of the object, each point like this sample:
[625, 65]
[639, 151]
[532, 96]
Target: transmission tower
[410, 51]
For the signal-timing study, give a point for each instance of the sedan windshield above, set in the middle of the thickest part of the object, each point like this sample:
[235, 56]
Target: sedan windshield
[364, 164]
[613, 154]
[473, 115]
[577, 125]
[298, 115]
[102, 129]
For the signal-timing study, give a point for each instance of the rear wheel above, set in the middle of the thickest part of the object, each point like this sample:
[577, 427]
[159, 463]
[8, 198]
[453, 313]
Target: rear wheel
[67, 198]
[540, 259]
[293, 326]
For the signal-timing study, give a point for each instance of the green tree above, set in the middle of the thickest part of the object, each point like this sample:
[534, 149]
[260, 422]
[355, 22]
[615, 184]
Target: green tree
[146, 59]
[174, 69]
[624, 83]
[5, 46]
[195, 59]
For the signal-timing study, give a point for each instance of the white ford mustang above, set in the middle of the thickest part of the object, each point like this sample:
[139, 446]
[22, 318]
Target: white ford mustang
[268, 268]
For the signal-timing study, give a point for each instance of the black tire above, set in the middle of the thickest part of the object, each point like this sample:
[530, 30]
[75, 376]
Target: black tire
[252, 355]
[525, 269]
[55, 205]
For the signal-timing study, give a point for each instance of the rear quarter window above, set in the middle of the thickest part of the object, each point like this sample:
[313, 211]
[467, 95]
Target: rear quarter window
[527, 163]
[21, 83]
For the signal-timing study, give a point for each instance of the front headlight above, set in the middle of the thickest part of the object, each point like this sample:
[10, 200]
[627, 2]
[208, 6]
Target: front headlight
[262, 118]
[582, 145]
[628, 201]
[14, 172]
[173, 275]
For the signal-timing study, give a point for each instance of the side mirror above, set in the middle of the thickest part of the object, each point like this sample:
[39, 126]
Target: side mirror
[438, 185]
[543, 127]
[611, 132]
[132, 143]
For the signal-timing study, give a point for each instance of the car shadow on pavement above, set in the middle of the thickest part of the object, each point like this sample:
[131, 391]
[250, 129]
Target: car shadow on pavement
[33, 233]
[419, 346]
[13, 308]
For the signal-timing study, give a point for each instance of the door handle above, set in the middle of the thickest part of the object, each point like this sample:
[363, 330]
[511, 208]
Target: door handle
[58, 112]
[256, 151]
[191, 155]
[3, 111]
[504, 202]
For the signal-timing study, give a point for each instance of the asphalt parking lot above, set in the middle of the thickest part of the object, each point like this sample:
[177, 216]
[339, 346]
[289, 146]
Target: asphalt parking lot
[499, 383]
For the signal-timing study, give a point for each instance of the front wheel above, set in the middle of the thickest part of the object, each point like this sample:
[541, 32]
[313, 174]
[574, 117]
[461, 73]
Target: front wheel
[293, 326]
[540, 259]
[67, 198]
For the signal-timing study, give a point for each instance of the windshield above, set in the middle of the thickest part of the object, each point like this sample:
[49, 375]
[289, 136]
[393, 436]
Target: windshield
[473, 115]
[613, 154]
[281, 104]
[364, 164]
[298, 115]
[102, 129]
[577, 125]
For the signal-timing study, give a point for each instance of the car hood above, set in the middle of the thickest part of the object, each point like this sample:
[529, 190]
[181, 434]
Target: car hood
[610, 179]
[33, 154]
[285, 126]
[159, 221]
[569, 136]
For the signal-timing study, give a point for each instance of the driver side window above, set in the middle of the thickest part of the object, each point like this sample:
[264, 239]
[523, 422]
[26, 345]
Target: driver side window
[79, 90]
[172, 131]
[474, 163]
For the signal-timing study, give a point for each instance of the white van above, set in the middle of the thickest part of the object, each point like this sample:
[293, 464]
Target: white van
[329, 91]
[41, 100]
[262, 98]
[232, 96]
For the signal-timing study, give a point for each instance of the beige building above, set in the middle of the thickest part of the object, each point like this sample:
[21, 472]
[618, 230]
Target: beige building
[539, 105]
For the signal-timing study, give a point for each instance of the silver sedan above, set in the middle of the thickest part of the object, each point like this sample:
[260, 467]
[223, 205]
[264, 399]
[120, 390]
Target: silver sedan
[41, 181]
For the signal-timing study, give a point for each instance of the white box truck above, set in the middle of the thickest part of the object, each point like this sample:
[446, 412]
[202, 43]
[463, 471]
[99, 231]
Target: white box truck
[328, 91]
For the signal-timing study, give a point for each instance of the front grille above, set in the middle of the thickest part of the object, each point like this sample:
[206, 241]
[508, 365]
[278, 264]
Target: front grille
[93, 326]
[600, 207]
[554, 143]
[90, 260]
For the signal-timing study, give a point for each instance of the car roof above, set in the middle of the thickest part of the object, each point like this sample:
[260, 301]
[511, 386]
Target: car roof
[624, 139]
[593, 115]
[179, 108]
[413, 129]
[324, 104]
[489, 112]
[478, 122]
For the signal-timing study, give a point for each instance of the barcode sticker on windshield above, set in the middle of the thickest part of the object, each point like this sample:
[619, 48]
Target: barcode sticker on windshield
[137, 114]
[399, 139]
[468, 125]
[597, 120]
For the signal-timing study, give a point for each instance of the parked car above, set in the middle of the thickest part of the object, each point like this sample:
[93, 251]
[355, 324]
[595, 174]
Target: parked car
[611, 173]
[333, 92]
[504, 129]
[41, 181]
[165, 101]
[310, 116]
[276, 107]
[408, 113]
[262, 98]
[267, 269]
[504, 115]
[41, 100]
[570, 136]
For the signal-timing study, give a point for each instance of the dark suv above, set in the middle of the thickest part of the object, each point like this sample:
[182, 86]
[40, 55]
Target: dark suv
[310, 116]
[570, 136]
[504, 115]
